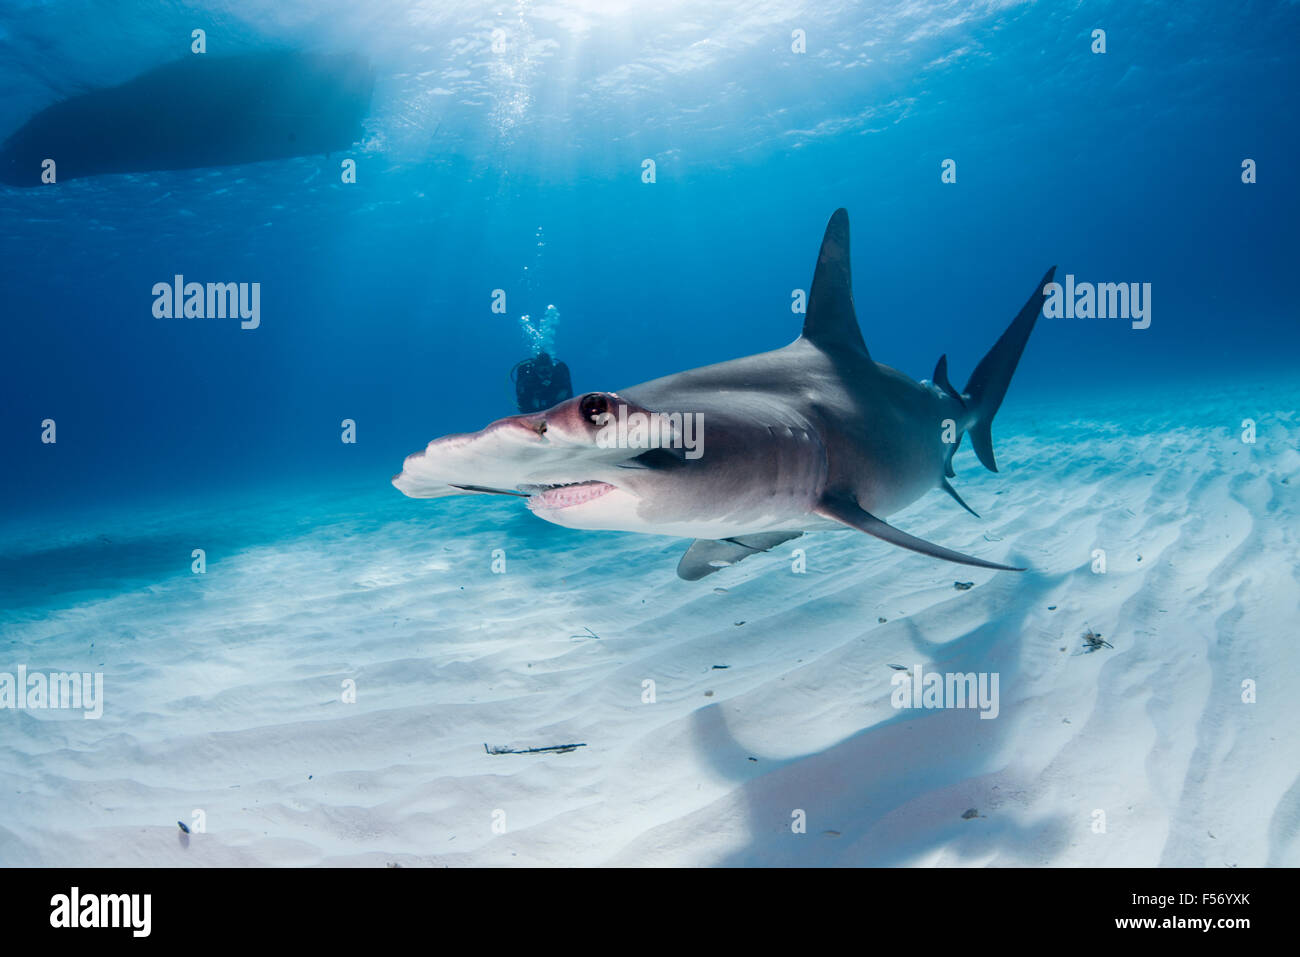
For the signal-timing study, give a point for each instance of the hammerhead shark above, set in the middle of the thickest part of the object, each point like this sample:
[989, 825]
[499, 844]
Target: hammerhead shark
[816, 435]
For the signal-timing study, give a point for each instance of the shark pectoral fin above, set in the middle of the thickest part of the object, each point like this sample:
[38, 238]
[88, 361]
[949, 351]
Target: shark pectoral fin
[848, 512]
[763, 541]
[953, 492]
[707, 555]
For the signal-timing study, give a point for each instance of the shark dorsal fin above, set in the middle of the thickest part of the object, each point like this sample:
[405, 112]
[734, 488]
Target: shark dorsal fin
[831, 323]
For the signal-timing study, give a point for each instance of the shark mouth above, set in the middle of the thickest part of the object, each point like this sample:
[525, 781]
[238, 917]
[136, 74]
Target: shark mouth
[552, 497]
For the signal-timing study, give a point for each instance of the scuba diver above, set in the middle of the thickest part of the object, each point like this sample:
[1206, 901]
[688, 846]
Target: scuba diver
[540, 383]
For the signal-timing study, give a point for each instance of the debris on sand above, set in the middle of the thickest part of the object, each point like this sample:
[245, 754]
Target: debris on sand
[1092, 641]
[556, 748]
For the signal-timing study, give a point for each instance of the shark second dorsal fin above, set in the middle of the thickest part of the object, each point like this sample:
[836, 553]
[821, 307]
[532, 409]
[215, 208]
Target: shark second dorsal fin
[831, 323]
[940, 379]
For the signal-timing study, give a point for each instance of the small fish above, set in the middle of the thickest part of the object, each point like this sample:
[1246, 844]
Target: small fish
[963, 586]
[182, 826]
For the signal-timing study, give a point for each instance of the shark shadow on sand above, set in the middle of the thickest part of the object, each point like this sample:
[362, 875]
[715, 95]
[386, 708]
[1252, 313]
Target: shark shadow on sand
[895, 791]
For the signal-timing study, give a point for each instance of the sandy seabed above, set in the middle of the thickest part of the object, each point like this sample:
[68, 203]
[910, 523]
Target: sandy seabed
[224, 692]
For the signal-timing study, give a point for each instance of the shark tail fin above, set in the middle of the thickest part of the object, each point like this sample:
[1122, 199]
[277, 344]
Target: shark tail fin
[988, 383]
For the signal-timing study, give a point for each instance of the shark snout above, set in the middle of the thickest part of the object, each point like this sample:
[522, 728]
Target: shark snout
[554, 447]
[490, 457]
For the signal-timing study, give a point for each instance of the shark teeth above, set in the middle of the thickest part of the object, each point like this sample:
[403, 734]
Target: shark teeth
[565, 496]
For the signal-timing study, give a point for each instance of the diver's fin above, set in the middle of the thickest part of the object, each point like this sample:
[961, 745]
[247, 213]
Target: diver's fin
[940, 378]
[707, 555]
[953, 492]
[988, 383]
[845, 510]
[831, 323]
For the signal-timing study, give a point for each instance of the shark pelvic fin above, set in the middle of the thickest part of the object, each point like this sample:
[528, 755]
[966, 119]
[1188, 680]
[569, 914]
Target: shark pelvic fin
[706, 555]
[943, 483]
[844, 510]
[831, 322]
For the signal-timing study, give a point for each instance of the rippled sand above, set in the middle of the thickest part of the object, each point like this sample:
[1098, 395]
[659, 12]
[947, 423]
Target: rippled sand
[224, 691]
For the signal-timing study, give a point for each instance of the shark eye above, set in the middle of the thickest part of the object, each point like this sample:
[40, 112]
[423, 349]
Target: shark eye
[592, 405]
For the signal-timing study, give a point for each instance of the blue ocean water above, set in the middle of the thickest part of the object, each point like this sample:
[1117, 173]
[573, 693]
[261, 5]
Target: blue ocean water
[522, 171]
[506, 149]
